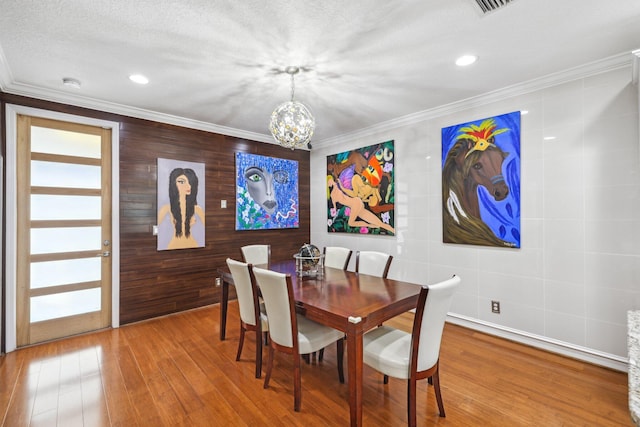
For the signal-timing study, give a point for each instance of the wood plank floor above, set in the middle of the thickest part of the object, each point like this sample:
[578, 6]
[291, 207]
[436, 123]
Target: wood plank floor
[174, 371]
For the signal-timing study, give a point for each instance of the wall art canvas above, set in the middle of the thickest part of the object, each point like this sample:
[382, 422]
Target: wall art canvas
[266, 192]
[360, 190]
[481, 182]
[181, 219]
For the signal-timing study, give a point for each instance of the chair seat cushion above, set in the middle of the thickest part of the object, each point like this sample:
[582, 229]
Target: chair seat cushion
[313, 336]
[388, 350]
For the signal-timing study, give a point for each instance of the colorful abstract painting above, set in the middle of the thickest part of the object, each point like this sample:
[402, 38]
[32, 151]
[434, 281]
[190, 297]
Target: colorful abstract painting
[360, 190]
[266, 192]
[181, 218]
[481, 182]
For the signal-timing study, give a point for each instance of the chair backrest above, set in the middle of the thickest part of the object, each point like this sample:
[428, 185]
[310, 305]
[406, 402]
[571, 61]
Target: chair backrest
[277, 293]
[246, 290]
[373, 263]
[256, 254]
[337, 257]
[433, 304]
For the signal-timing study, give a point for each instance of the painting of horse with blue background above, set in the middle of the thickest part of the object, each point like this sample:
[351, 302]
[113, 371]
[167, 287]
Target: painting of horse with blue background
[481, 182]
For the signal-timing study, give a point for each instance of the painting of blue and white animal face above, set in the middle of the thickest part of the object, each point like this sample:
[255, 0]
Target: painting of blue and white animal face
[266, 192]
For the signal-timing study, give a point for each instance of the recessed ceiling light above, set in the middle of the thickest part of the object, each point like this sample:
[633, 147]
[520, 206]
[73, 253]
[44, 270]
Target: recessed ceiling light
[549, 138]
[139, 78]
[523, 112]
[465, 60]
[74, 83]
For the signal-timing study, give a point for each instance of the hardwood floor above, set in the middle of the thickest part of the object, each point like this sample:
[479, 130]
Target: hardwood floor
[174, 371]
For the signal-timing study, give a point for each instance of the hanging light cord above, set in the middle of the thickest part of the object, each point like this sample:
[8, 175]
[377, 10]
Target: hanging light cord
[292, 87]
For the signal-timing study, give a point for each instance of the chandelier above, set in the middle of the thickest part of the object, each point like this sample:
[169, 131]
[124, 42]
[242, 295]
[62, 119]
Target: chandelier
[292, 124]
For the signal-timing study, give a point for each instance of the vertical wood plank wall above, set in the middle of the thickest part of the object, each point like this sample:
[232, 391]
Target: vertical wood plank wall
[154, 283]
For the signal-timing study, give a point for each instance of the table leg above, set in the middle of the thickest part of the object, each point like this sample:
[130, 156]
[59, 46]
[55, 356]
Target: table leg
[354, 366]
[223, 309]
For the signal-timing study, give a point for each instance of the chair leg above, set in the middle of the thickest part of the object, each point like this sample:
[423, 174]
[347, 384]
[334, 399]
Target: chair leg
[311, 358]
[258, 353]
[436, 387]
[269, 367]
[340, 355]
[411, 402]
[241, 342]
[321, 355]
[297, 383]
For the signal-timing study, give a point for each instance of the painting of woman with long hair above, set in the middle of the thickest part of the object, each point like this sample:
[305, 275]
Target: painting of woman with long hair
[180, 218]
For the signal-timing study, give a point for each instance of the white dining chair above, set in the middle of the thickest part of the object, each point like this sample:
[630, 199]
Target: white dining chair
[373, 263]
[251, 317]
[336, 257]
[414, 356]
[292, 333]
[256, 254]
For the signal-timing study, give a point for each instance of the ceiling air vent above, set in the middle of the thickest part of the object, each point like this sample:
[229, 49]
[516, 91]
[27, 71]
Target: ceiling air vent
[491, 5]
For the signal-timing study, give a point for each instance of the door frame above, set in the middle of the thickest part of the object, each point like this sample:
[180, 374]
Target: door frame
[12, 112]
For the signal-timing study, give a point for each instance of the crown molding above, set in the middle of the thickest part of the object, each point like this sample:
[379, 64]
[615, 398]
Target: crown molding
[601, 66]
[607, 64]
[5, 72]
[124, 110]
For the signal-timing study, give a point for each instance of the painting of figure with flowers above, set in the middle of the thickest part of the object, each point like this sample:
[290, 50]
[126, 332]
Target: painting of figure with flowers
[360, 190]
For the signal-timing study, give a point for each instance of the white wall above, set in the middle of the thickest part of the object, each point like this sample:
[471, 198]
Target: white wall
[569, 286]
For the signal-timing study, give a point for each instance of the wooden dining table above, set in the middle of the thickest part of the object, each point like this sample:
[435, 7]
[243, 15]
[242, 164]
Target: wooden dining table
[350, 302]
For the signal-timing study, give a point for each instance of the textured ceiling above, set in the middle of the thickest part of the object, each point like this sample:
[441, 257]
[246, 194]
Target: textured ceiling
[220, 64]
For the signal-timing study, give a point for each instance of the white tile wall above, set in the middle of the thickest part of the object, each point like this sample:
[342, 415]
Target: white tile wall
[578, 271]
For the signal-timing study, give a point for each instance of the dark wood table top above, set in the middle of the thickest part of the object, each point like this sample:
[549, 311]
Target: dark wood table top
[348, 296]
[345, 300]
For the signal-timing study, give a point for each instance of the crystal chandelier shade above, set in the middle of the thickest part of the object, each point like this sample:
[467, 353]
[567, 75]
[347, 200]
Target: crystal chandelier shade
[292, 124]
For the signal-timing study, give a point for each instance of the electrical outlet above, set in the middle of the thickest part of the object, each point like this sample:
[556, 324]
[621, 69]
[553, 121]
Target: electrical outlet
[218, 281]
[495, 307]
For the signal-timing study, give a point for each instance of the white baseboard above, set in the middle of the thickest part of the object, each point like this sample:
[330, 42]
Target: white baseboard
[566, 349]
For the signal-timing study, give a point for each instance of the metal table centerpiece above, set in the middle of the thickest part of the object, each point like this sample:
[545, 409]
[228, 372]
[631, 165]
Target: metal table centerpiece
[309, 261]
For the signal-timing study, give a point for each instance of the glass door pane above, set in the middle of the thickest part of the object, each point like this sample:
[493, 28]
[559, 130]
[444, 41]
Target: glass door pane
[54, 306]
[46, 206]
[68, 271]
[65, 239]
